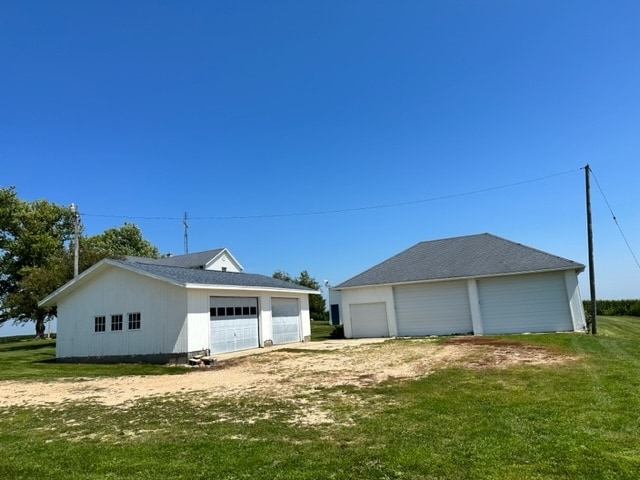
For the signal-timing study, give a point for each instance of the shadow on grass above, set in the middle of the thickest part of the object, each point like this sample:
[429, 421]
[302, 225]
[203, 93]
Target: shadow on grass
[27, 346]
[46, 361]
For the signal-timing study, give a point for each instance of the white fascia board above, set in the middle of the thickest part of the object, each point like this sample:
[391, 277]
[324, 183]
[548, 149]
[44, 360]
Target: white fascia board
[451, 279]
[207, 286]
[102, 264]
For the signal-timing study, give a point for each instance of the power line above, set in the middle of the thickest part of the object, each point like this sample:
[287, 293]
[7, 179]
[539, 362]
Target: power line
[342, 210]
[615, 219]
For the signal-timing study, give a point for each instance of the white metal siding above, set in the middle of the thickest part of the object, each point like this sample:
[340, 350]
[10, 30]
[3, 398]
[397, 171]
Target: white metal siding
[285, 318]
[234, 324]
[198, 320]
[369, 320]
[525, 303]
[115, 291]
[433, 309]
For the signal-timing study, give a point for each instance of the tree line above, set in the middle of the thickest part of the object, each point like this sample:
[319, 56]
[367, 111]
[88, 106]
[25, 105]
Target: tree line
[615, 308]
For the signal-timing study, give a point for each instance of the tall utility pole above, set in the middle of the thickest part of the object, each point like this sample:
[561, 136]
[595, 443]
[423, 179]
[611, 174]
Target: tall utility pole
[76, 242]
[592, 279]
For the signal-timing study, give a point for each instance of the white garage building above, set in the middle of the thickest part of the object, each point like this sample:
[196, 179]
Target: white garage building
[480, 284]
[169, 308]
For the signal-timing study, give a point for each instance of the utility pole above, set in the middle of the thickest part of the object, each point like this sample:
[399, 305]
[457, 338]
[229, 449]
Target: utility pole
[592, 279]
[76, 242]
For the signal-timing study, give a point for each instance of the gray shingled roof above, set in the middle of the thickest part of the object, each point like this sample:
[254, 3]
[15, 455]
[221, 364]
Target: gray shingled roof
[189, 260]
[210, 277]
[460, 257]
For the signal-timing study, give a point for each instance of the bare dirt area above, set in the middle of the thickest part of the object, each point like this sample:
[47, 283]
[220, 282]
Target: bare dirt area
[289, 371]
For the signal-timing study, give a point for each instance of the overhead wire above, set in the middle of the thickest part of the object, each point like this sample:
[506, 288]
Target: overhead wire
[341, 210]
[615, 219]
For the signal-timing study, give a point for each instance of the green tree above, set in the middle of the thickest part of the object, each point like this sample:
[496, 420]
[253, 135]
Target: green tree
[32, 234]
[125, 240]
[36, 254]
[317, 305]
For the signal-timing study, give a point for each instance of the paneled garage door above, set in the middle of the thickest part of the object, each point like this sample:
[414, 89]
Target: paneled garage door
[234, 324]
[433, 309]
[285, 314]
[369, 320]
[525, 303]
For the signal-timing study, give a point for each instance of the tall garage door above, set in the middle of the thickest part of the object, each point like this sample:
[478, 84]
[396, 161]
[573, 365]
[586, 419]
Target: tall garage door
[285, 314]
[369, 320]
[525, 303]
[433, 309]
[234, 324]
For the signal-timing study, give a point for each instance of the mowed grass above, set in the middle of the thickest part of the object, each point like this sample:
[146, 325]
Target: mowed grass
[579, 419]
[28, 359]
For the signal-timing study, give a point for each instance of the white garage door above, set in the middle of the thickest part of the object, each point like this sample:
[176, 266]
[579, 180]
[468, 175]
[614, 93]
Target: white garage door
[525, 303]
[433, 309]
[234, 324]
[285, 315]
[369, 320]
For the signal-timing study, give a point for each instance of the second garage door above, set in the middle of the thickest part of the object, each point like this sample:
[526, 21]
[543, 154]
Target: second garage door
[285, 314]
[234, 324]
[525, 303]
[433, 309]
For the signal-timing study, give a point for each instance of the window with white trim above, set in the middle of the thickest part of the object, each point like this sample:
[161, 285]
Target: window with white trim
[134, 321]
[99, 324]
[116, 323]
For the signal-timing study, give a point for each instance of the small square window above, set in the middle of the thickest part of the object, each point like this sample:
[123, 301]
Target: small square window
[230, 311]
[253, 310]
[238, 311]
[212, 311]
[99, 324]
[134, 321]
[116, 323]
[245, 310]
[221, 311]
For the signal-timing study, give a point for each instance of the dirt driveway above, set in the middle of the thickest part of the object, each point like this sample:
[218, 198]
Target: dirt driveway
[287, 371]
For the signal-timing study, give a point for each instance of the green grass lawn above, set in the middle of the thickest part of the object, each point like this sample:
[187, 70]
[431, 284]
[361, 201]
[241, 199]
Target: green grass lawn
[29, 359]
[580, 419]
[321, 330]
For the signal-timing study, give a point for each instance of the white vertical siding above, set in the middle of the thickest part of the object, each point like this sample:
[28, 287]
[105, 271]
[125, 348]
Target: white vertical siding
[265, 324]
[305, 317]
[224, 263]
[198, 320]
[162, 307]
[575, 301]
[474, 306]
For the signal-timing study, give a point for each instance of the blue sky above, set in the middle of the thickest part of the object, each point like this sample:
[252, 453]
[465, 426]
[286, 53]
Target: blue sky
[239, 112]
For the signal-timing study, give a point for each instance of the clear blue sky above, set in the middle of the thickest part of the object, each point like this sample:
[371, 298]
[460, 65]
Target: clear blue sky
[254, 109]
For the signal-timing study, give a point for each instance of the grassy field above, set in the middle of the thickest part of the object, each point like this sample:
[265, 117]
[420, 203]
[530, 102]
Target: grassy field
[576, 420]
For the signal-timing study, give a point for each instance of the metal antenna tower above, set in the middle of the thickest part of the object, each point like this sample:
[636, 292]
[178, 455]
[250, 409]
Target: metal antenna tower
[186, 234]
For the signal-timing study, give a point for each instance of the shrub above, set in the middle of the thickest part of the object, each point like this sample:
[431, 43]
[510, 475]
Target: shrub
[337, 332]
